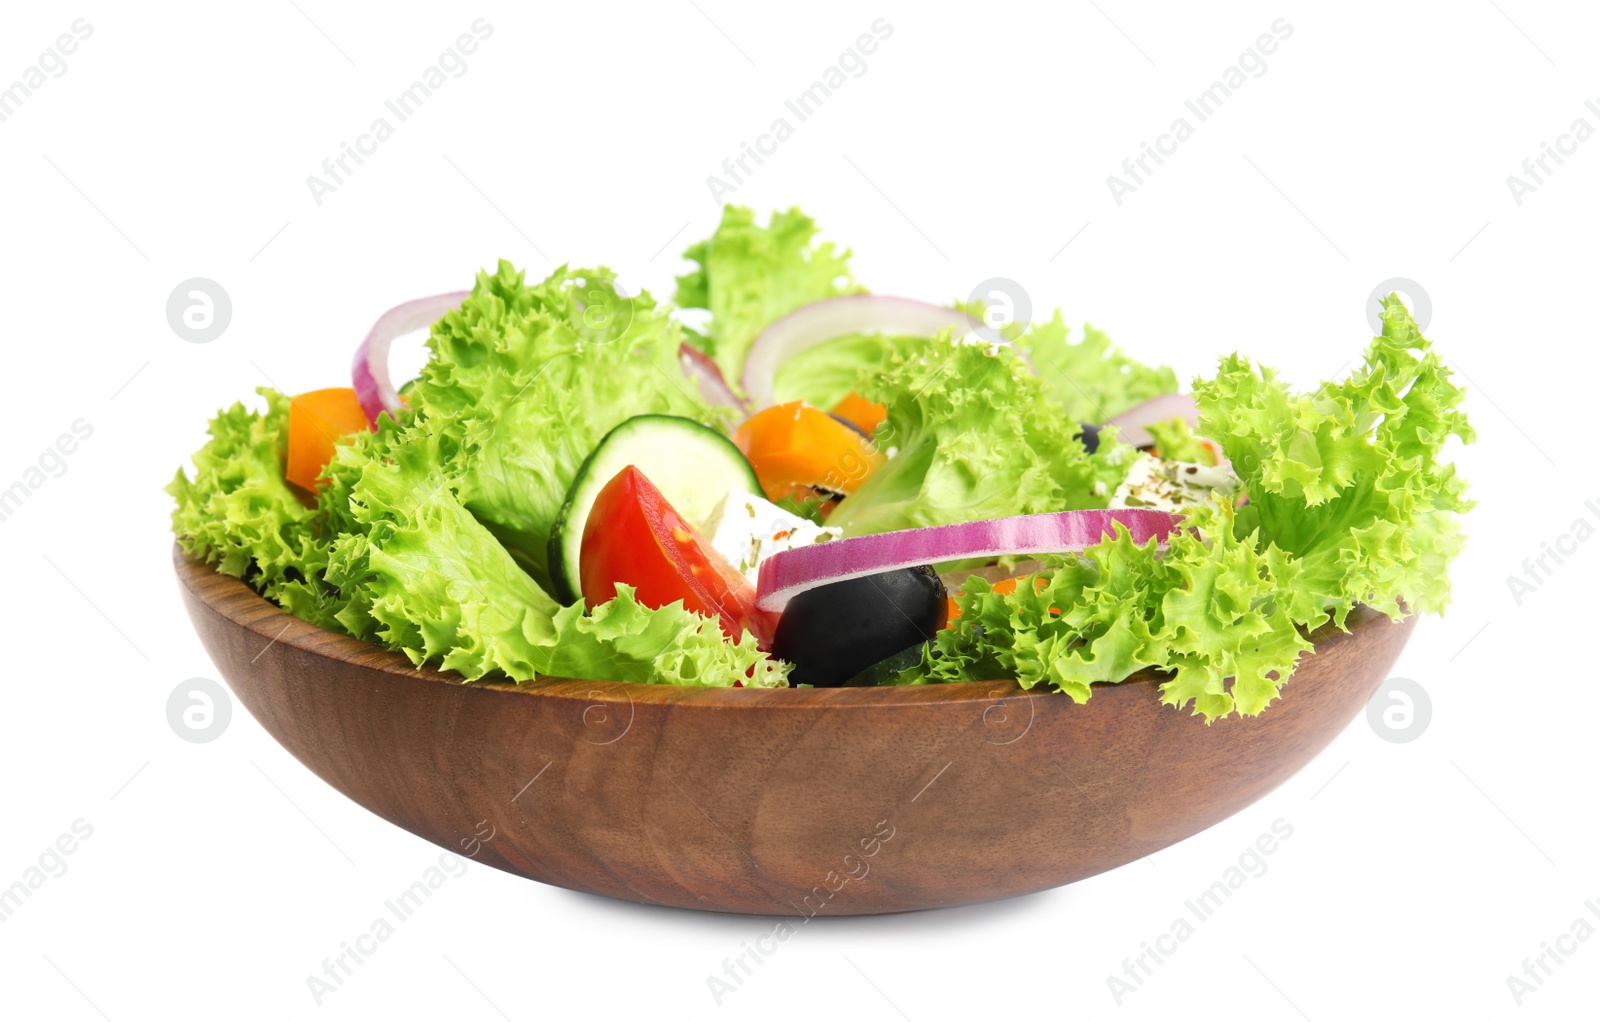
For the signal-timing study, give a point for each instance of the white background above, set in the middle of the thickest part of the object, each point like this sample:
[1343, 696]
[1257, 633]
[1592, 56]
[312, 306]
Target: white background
[978, 142]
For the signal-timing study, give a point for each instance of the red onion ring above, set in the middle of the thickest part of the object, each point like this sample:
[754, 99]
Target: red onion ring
[787, 574]
[1131, 423]
[819, 322]
[370, 372]
[702, 369]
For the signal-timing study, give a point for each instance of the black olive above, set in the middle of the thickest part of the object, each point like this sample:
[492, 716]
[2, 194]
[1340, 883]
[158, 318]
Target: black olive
[884, 671]
[1090, 435]
[834, 632]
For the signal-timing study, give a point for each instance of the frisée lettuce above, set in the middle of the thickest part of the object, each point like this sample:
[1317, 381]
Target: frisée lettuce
[526, 379]
[749, 276]
[1349, 503]
[975, 436]
[429, 534]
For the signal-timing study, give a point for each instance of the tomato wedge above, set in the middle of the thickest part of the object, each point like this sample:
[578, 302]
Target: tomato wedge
[316, 420]
[634, 536]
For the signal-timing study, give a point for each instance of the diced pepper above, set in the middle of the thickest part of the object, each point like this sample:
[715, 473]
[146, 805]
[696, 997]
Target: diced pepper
[316, 422]
[857, 410]
[795, 447]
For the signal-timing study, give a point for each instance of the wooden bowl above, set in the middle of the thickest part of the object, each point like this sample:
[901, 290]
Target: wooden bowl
[786, 802]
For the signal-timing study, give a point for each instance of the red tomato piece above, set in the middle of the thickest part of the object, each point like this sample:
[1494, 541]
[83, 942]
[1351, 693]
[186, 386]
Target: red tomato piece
[634, 536]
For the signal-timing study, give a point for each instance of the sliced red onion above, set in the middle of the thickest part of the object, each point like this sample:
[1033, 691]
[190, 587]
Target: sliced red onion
[1157, 409]
[787, 574]
[370, 373]
[702, 369]
[814, 324]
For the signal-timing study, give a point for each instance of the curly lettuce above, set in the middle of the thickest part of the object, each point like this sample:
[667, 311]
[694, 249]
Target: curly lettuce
[1350, 502]
[1211, 609]
[429, 535]
[974, 435]
[389, 549]
[428, 579]
[1349, 478]
[525, 379]
[1174, 440]
[1090, 377]
[751, 275]
[823, 375]
[240, 514]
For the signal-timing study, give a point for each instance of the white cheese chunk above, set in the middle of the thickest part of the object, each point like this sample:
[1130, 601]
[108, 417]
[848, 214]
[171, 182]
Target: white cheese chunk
[1172, 485]
[747, 530]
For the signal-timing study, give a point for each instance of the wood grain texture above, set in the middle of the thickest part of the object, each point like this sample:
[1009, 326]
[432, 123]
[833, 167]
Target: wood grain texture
[769, 802]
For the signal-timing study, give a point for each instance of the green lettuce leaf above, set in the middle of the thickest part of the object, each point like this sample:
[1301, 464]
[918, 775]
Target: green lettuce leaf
[823, 375]
[974, 435]
[429, 534]
[428, 579]
[623, 640]
[750, 276]
[1211, 608]
[1350, 502]
[1349, 479]
[526, 379]
[1177, 442]
[1224, 626]
[1090, 377]
[240, 514]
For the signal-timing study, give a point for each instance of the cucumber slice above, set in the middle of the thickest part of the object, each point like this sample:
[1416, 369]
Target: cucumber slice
[693, 466]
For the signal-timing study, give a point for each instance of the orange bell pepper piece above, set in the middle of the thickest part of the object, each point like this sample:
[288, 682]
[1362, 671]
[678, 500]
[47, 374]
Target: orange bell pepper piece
[317, 419]
[796, 446]
[857, 410]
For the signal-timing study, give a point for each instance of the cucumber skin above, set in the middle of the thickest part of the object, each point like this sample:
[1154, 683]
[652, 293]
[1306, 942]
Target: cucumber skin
[556, 555]
[553, 555]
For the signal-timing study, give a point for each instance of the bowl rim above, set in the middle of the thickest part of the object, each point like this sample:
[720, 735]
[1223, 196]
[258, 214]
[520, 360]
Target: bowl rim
[235, 601]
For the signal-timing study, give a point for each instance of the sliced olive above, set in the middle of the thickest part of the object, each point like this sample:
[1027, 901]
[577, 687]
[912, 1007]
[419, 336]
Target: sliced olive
[885, 671]
[834, 632]
[1089, 433]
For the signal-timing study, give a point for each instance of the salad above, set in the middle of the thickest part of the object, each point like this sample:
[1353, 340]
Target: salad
[783, 479]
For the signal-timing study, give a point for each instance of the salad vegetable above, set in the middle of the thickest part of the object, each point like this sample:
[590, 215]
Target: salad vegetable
[818, 486]
[976, 436]
[783, 578]
[369, 373]
[708, 379]
[316, 422]
[691, 464]
[634, 537]
[526, 379]
[1089, 377]
[860, 323]
[834, 633]
[1162, 409]
[798, 450]
[750, 276]
[864, 415]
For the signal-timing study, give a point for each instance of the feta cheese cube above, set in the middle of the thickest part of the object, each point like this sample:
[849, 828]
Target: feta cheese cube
[747, 530]
[1172, 485]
